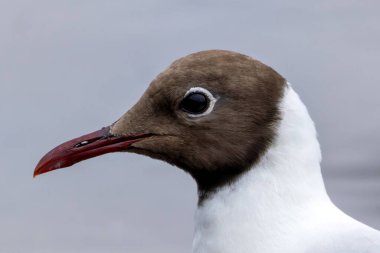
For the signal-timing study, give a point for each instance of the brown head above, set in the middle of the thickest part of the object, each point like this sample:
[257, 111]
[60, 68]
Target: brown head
[212, 114]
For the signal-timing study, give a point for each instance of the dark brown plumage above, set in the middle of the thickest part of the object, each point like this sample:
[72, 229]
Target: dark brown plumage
[216, 148]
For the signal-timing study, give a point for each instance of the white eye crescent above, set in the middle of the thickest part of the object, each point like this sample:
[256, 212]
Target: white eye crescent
[198, 102]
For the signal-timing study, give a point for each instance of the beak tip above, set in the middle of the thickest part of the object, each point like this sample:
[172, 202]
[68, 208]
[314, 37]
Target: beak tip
[36, 172]
[42, 169]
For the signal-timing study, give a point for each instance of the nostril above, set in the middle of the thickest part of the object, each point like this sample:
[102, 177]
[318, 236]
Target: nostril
[81, 144]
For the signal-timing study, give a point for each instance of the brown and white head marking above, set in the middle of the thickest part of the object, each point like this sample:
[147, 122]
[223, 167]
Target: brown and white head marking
[228, 138]
[250, 144]
[217, 133]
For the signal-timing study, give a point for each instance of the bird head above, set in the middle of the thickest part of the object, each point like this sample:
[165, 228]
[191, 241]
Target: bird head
[211, 113]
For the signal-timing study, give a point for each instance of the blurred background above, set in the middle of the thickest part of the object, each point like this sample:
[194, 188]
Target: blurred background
[70, 67]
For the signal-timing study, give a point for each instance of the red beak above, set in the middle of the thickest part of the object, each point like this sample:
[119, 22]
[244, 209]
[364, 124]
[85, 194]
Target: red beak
[85, 147]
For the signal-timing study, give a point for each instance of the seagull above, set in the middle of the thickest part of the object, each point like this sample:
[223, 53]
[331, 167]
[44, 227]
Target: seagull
[241, 131]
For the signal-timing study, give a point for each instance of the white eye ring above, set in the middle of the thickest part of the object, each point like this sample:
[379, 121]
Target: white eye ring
[211, 98]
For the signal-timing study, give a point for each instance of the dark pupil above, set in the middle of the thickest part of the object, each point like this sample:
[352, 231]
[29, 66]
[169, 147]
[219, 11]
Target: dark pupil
[195, 103]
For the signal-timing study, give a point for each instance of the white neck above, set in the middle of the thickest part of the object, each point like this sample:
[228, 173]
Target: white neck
[261, 211]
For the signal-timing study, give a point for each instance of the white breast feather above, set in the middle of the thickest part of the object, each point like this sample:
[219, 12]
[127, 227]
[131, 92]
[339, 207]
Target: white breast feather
[281, 204]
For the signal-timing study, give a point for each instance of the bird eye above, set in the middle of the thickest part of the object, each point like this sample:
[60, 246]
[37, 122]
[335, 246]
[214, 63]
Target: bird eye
[195, 103]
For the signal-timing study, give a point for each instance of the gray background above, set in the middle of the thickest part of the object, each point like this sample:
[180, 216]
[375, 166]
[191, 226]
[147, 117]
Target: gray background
[70, 67]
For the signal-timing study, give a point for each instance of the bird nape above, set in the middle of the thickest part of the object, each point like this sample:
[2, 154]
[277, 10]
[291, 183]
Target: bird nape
[240, 130]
